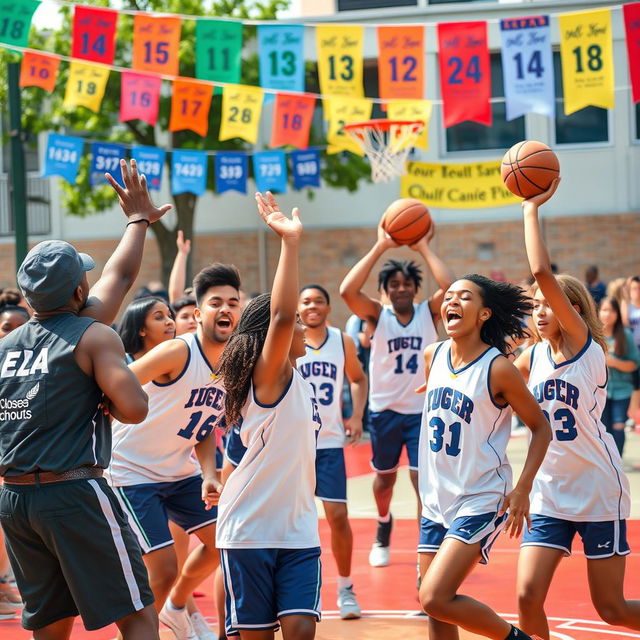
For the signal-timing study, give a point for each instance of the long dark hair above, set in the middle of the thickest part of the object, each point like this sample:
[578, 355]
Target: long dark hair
[241, 354]
[619, 337]
[133, 320]
[509, 305]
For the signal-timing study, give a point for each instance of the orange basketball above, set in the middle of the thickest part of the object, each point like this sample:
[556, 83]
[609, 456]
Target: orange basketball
[529, 168]
[406, 220]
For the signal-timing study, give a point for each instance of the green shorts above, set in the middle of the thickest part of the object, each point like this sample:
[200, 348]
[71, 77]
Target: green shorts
[72, 553]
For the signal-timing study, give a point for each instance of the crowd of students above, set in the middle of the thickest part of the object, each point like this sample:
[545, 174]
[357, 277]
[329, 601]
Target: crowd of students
[243, 428]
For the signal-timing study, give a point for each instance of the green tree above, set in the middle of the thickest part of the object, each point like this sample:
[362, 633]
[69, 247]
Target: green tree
[49, 114]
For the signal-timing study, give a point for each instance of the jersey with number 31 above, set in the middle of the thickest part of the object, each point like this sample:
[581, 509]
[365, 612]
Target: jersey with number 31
[396, 367]
[581, 477]
[181, 414]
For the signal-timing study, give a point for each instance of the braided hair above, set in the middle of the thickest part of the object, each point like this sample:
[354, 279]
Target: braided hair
[509, 305]
[241, 354]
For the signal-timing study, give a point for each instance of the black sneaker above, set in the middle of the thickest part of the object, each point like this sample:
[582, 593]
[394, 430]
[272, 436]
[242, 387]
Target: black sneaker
[383, 535]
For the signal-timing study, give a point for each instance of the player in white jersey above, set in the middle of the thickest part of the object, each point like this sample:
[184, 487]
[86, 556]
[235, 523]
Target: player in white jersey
[153, 468]
[268, 524]
[465, 477]
[401, 331]
[580, 487]
[330, 354]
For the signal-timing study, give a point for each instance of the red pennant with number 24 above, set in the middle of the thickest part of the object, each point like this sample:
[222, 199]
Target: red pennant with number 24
[139, 97]
[465, 73]
[292, 120]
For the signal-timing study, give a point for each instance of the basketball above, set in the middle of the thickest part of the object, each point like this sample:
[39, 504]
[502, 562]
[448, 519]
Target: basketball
[406, 220]
[529, 168]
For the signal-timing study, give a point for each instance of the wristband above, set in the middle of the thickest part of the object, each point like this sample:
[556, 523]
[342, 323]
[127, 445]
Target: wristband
[140, 220]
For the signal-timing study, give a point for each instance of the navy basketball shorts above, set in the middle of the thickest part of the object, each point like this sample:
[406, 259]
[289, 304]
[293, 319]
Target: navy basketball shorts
[73, 553]
[599, 539]
[331, 475]
[390, 431]
[264, 585]
[484, 529]
[150, 506]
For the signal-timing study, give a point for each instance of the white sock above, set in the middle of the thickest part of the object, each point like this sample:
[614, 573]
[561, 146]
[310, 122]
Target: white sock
[173, 606]
[386, 518]
[344, 583]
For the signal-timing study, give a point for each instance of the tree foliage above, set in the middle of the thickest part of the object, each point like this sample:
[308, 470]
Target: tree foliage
[43, 112]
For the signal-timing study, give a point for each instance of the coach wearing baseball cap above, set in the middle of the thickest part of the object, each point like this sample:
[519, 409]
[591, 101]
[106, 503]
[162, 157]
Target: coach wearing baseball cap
[61, 373]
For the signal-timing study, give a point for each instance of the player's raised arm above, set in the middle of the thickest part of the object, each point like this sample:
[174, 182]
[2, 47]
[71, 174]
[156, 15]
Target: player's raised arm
[121, 270]
[443, 274]
[273, 368]
[540, 264]
[351, 288]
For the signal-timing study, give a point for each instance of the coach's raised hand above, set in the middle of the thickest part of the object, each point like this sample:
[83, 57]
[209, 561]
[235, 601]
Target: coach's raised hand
[286, 228]
[134, 198]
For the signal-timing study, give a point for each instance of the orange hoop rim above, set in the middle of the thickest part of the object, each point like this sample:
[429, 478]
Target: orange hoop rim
[380, 123]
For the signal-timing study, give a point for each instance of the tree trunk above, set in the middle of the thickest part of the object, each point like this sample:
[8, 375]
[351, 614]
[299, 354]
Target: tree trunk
[185, 204]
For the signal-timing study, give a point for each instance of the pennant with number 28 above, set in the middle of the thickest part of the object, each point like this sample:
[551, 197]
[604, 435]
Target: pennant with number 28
[586, 51]
[241, 109]
[465, 74]
[527, 66]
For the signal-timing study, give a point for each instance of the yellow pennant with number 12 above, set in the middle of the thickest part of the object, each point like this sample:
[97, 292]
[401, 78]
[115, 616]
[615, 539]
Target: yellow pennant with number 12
[85, 85]
[241, 109]
[586, 50]
[340, 61]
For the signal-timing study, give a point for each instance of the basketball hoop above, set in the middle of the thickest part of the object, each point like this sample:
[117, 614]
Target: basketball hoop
[387, 144]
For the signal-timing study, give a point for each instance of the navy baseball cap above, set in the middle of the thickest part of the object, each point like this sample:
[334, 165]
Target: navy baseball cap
[50, 273]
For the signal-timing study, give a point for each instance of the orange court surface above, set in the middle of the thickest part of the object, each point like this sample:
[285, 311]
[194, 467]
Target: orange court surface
[388, 595]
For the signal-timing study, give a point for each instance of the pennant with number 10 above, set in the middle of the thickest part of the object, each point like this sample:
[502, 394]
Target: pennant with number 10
[586, 51]
[39, 70]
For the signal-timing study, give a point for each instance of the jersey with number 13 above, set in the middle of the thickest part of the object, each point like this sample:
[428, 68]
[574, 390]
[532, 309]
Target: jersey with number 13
[181, 414]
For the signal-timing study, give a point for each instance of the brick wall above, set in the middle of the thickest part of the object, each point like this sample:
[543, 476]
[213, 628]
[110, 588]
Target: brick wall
[612, 242]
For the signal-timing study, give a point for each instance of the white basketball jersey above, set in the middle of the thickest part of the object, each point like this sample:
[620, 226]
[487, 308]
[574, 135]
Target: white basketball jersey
[268, 501]
[396, 367]
[581, 477]
[463, 468]
[323, 368]
[181, 414]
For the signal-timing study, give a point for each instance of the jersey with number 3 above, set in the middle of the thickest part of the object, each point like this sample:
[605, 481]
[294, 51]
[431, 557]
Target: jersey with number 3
[462, 466]
[181, 414]
[323, 368]
[396, 367]
[581, 477]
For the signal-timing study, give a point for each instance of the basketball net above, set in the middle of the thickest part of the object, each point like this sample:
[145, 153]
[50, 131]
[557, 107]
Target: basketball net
[387, 144]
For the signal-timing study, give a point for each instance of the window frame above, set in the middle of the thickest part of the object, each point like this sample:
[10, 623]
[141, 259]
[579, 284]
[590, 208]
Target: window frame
[635, 120]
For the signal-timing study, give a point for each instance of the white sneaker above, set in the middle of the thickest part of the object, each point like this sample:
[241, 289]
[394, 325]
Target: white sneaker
[348, 605]
[201, 627]
[178, 621]
[379, 555]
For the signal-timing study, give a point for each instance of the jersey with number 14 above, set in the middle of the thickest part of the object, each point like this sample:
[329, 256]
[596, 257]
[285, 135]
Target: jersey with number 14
[462, 466]
[396, 367]
[181, 414]
[581, 477]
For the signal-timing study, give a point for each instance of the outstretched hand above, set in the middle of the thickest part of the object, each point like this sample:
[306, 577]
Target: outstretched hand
[134, 198]
[183, 246]
[541, 198]
[269, 210]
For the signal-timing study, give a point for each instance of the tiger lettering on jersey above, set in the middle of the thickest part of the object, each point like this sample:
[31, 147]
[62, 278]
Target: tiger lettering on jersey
[452, 399]
[323, 391]
[201, 423]
[413, 343]
[557, 389]
[21, 364]
[206, 396]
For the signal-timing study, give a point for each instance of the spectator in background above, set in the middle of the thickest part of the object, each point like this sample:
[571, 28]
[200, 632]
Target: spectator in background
[12, 317]
[630, 312]
[178, 277]
[596, 287]
[622, 360]
[184, 312]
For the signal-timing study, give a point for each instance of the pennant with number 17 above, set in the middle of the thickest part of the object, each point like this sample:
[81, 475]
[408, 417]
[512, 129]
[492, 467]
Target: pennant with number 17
[527, 66]
[586, 52]
[190, 103]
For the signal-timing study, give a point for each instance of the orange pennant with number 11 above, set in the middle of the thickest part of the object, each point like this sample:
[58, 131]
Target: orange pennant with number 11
[190, 103]
[39, 71]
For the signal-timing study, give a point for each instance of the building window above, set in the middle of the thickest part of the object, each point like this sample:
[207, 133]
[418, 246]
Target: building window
[590, 124]
[637, 109]
[452, 1]
[354, 5]
[471, 136]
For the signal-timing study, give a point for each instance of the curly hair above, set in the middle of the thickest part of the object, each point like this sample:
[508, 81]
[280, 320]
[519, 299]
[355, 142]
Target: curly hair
[509, 305]
[241, 354]
[408, 268]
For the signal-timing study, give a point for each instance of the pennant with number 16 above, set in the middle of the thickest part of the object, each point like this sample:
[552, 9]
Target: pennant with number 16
[527, 66]
[139, 97]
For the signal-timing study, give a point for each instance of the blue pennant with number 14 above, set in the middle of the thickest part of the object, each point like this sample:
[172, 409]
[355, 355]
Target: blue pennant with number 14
[527, 66]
